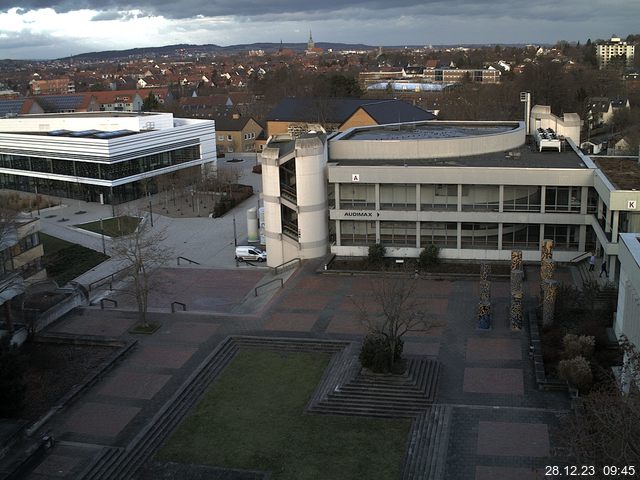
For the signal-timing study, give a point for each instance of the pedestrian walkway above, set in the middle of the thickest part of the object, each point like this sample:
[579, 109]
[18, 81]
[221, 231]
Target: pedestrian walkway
[493, 421]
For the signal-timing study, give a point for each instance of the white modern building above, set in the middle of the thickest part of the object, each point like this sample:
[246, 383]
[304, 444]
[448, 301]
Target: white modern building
[614, 48]
[109, 157]
[477, 190]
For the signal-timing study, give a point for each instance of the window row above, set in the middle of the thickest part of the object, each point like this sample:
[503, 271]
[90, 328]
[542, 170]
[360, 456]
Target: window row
[445, 235]
[111, 171]
[25, 243]
[473, 198]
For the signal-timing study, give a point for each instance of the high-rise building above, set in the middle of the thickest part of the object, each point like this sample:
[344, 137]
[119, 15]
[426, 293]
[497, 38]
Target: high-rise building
[614, 48]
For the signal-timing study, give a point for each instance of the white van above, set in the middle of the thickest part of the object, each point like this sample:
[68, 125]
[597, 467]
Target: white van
[250, 253]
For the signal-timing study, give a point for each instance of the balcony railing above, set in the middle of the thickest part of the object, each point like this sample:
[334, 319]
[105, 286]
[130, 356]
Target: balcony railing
[290, 230]
[288, 192]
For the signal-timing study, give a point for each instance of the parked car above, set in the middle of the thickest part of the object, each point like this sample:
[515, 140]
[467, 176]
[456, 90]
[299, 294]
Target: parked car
[247, 252]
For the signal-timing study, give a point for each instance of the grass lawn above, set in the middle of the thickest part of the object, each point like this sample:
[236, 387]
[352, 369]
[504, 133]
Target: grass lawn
[252, 418]
[65, 260]
[113, 227]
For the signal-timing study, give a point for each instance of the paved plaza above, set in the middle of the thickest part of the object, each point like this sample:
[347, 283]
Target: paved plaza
[500, 424]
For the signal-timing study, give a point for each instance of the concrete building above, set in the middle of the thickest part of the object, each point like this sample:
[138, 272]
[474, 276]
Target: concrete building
[20, 261]
[477, 190]
[614, 48]
[107, 157]
[627, 321]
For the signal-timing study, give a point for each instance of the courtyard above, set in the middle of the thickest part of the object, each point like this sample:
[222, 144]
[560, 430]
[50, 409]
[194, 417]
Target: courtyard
[492, 421]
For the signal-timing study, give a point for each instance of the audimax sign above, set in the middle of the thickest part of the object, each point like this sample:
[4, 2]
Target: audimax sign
[360, 214]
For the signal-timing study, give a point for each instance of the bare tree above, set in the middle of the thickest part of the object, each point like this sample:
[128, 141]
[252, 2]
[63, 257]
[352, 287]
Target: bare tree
[401, 310]
[606, 429]
[141, 253]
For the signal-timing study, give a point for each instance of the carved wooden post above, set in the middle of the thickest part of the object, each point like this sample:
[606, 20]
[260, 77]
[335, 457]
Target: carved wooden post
[515, 312]
[516, 260]
[550, 289]
[484, 306]
[517, 293]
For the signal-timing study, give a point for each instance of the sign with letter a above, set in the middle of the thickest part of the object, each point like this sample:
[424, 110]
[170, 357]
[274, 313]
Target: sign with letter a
[355, 177]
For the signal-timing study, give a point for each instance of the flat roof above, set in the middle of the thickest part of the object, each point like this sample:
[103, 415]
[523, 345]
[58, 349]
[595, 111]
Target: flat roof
[431, 130]
[104, 114]
[623, 173]
[526, 156]
[99, 134]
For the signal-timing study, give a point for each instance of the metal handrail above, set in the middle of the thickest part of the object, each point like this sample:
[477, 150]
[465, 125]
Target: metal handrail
[111, 278]
[187, 259]
[580, 257]
[102, 300]
[282, 266]
[255, 290]
[173, 306]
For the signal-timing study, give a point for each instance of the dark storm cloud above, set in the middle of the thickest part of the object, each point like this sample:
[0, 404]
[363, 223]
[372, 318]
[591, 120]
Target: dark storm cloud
[256, 9]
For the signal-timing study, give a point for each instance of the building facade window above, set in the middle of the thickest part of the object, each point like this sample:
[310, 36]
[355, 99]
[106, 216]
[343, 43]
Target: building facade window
[353, 232]
[565, 237]
[398, 196]
[481, 198]
[520, 236]
[522, 198]
[439, 197]
[480, 235]
[442, 235]
[398, 234]
[360, 196]
[562, 199]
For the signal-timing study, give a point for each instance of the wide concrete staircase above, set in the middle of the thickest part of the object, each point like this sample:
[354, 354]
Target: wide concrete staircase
[346, 390]
[426, 454]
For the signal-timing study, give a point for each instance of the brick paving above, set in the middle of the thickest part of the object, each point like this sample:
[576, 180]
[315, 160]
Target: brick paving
[500, 422]
[493, 380]
[129, 384]
[513, 439]
[100, 419]
[507, 473]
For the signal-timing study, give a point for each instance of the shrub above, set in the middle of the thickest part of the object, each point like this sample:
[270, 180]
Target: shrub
[578, 345]
[377, 252]
[375, 353]
[576, 371]
[429, 256]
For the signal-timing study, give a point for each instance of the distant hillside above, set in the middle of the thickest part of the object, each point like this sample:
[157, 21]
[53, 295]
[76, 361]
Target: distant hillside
[188, 49]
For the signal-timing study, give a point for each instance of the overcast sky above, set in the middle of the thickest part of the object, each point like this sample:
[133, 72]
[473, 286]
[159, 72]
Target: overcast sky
[43, 29]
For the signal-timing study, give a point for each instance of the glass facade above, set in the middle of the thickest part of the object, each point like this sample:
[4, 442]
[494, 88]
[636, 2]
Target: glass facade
[90, 193]
[102, 171]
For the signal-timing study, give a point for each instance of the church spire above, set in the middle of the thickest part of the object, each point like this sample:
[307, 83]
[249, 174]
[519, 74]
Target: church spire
[310, 44]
